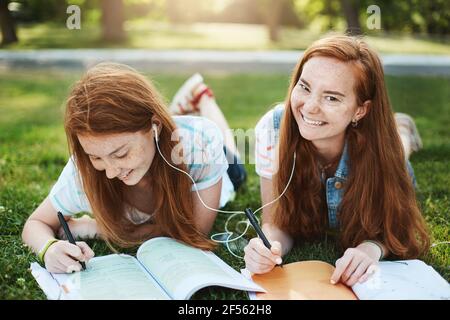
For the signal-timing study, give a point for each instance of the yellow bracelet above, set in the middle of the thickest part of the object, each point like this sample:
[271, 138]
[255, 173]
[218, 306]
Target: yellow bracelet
[44, 249]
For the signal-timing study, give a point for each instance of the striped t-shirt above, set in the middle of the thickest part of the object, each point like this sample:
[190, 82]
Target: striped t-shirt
[202, 144]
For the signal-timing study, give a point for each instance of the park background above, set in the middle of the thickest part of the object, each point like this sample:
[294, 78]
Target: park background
[41, 57]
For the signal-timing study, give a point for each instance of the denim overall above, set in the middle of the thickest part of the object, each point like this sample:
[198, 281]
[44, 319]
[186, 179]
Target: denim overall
[334, 186]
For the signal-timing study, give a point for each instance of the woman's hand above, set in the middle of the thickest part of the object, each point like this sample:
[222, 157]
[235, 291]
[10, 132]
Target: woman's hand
[64, 257]
[259, 259]
[81, 228]
[356, 265]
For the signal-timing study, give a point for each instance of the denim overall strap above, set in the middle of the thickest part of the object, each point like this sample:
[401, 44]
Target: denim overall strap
[277, 114]
[411, 174]
[334, 188]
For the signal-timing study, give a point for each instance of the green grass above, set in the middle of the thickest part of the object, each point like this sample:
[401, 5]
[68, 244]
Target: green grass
[33, 151]
[158, 35]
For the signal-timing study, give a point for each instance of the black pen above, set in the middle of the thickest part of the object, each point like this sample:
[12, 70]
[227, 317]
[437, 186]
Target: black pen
[261, 235]
[69, 236]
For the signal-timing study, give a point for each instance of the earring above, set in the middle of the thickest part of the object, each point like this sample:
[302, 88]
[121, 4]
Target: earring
[354, 123]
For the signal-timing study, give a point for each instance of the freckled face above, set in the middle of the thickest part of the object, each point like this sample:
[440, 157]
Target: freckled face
[323, 101]
[126, 156]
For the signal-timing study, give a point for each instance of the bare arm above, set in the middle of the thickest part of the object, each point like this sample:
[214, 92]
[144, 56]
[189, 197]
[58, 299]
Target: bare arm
[61, 256]
[42, 225]
[272, 232]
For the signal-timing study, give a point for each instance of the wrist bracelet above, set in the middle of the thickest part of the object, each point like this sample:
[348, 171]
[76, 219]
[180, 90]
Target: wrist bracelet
[379, 246]
[44, 249]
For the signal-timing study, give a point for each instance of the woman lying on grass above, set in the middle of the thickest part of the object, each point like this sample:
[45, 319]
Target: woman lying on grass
[352, 177]
[114, 118]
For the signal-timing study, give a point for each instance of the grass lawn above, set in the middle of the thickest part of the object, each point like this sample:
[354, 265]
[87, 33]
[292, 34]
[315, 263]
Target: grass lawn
[33, 152]
[224, 36]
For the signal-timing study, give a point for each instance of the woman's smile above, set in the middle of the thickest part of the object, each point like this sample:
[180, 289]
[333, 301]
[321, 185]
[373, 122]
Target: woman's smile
[312, 122]
[126, 175]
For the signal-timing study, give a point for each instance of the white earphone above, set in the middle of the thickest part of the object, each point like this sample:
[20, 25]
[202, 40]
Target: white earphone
[155, 130]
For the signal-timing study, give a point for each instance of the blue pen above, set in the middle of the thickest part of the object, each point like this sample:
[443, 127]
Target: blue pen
[69, 236]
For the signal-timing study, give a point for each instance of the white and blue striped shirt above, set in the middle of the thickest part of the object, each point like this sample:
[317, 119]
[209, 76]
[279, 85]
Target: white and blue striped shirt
[202, 144]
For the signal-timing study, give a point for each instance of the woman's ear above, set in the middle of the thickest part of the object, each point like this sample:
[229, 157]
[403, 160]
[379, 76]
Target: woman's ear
[361, 111]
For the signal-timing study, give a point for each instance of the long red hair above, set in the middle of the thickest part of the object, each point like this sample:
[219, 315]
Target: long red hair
[113, 98]
[379, 200]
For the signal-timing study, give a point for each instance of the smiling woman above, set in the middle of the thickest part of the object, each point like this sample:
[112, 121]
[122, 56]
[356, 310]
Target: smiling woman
[113, 115]
[351, 178]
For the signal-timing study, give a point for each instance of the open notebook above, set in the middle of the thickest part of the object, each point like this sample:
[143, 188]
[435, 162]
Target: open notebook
[163, 269]
[394, 280]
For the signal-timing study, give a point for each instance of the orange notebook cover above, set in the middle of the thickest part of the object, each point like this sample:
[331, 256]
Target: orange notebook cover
[305, 280]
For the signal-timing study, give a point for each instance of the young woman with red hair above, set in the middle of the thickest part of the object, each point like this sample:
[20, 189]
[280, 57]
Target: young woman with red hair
[351, 177]
[115, 121]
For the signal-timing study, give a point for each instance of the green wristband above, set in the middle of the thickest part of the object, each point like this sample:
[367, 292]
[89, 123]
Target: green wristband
[44, 249]
[379, 246]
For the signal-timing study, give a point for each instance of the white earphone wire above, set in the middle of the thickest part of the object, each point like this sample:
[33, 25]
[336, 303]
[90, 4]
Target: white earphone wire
[234, 213]
[193, 181]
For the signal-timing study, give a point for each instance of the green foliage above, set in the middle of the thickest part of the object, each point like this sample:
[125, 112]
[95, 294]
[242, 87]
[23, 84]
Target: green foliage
[413, 16]
[321, 15]
[43, 10]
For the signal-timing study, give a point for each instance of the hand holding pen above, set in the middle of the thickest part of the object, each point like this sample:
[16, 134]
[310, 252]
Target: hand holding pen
[261, 255]
[68, 234]
[66, 256]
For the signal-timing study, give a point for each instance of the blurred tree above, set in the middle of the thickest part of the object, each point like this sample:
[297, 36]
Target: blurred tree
[148, 9]
[413, 16]
[7, 24]
[324, 14]
[289, 16]
[188, 11]
[271, 11]
[436, 16]
[172, 11]
[43, 10]
[332, 9]
[351, 9]
[112, 20]
[395, 15]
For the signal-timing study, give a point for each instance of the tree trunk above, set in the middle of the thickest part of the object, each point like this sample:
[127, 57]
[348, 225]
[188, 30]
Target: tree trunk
[273, 11]
[7, 24]
[112, 20]
[351, 13]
